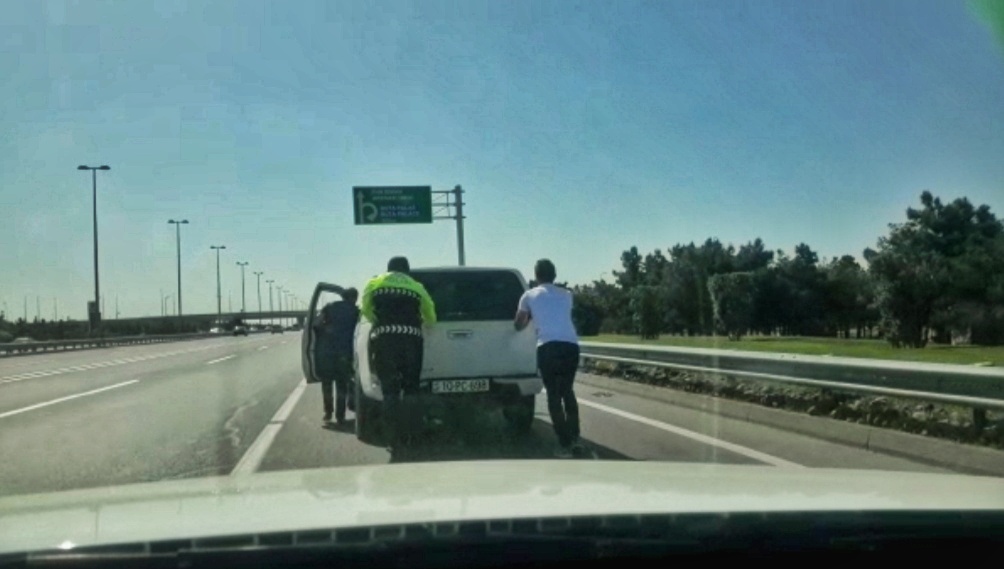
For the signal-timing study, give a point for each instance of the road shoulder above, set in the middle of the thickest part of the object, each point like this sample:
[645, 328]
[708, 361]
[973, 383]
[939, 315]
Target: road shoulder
[957, 456]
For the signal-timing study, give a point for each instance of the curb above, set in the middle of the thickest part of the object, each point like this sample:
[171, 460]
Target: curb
[955, 456]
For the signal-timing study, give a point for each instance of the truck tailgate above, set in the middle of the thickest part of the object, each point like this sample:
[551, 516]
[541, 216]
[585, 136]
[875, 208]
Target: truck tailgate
[478, 349]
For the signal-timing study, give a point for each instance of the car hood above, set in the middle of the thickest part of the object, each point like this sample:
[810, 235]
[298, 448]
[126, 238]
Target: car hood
[299, 500]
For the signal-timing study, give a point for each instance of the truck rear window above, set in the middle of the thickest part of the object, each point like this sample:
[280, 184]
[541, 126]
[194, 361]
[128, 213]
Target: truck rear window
[466, 296]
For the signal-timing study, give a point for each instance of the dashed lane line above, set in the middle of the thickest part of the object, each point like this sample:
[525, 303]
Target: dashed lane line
[67, 398]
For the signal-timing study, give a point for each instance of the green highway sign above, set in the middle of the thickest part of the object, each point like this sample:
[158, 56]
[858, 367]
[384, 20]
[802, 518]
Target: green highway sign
[379, 205]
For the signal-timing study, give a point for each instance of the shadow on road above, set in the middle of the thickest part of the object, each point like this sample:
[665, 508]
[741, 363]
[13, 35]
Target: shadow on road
[494, 444]
[471, 432]
[348, 427]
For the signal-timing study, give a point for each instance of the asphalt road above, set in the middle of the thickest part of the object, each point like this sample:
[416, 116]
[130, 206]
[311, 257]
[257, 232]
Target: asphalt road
[239, 405]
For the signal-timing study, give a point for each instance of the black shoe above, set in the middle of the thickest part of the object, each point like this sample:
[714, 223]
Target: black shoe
[399, 453]
[327, 418]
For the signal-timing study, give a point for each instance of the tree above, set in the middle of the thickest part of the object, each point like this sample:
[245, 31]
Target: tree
[799, 292]
[973, 306]
[938, 275]
[848, 294]
[645, 311]
[732, 295]
[631, 261]
[587, 311]
[753, 256]
[908, 281]
[687, 295]
[769, 300]
[654, 267]
[939, 269]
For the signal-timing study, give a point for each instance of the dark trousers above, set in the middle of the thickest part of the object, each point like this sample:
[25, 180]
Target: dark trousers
[397, 361]
[334, 387]
[558, 362]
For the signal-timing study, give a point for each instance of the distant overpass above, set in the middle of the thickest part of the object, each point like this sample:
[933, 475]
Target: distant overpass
[205, 320]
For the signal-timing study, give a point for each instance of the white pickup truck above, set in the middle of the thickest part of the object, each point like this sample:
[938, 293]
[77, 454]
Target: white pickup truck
[472, 353]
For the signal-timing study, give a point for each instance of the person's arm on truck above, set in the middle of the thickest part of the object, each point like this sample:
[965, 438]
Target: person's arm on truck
[522, 313]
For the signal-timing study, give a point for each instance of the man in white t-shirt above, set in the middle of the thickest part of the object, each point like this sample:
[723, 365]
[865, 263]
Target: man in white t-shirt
[549, 307]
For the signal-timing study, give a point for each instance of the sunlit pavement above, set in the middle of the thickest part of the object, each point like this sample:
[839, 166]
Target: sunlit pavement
[146, 413]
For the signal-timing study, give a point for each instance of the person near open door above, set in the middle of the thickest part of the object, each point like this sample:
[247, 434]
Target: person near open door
[334, 353]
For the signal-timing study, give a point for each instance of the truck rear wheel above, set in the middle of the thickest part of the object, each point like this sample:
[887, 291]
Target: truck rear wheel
[519, 415]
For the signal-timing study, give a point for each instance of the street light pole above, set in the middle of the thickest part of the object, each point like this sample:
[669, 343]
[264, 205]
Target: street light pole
[219, 291]
[271, 317]
[96, 319]
[287, 295]
[177, 227]
[242, 264]
[278, 300]
[258, 275]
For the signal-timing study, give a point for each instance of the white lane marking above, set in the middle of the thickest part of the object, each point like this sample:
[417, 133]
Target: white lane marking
[262, 348]
[255, 453]
[705, 439]
[67, 398]
[218, 360]
[84, 367]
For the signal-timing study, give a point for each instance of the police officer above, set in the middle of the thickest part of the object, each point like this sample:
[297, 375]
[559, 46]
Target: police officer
[397, 305]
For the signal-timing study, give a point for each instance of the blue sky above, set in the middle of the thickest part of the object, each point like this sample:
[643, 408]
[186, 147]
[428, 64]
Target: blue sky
[578, 129]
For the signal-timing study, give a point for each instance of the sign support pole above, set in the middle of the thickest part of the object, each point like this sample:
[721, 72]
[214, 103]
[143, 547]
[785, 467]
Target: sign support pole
[458, 197]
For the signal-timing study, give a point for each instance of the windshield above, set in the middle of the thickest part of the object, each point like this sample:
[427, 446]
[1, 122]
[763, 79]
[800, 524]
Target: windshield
[324, 243]
[484, 295]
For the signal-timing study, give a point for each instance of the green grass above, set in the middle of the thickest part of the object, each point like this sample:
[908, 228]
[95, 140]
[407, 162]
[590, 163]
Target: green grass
[878, 349]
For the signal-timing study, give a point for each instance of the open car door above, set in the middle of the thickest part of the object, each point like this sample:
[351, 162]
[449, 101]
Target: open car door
[308, 342]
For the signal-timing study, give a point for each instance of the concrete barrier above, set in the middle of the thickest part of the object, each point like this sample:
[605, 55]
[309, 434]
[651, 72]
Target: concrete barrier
[981, 388]
[28, 348]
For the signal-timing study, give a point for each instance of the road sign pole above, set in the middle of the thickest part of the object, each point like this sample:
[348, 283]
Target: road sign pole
[458, 196]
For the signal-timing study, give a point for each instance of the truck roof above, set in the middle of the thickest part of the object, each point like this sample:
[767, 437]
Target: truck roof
[462, 269]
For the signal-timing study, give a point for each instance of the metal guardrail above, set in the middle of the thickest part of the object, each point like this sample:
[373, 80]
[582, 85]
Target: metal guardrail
[27, 348]
[981, 388]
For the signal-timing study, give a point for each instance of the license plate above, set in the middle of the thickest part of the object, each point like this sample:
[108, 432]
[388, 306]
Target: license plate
[460, 386]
